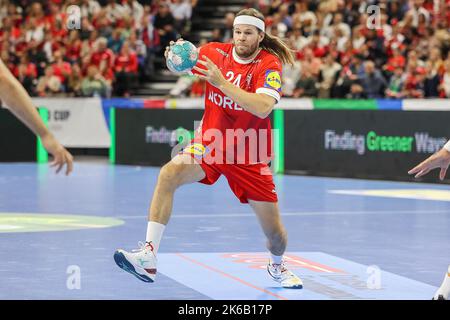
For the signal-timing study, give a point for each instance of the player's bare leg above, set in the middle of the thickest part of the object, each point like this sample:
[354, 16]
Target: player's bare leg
[270, 220]
[142, 262]
[179, 171]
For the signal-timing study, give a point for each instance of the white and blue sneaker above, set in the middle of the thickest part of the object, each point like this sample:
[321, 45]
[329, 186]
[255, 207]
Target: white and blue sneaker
[282, 275]
[140, 262]
[443, 293]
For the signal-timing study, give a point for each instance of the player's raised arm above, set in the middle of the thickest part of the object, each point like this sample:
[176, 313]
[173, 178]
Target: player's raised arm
[258, 104]
[19, 102]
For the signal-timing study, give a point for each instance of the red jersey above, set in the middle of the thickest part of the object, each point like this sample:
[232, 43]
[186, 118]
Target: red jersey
[60, 69]
[127, 63]
[260, 75]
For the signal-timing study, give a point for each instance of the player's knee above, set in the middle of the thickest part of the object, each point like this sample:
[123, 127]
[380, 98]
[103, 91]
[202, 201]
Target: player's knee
[170, 176]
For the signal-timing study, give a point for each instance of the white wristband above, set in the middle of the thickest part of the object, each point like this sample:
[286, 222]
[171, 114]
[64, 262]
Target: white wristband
[447, 146]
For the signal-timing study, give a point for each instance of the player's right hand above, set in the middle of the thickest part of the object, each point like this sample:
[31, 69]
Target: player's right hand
[60, 154]
[440, 159]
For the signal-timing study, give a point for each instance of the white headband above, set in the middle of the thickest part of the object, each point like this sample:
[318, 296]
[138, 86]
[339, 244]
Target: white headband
[251, 21]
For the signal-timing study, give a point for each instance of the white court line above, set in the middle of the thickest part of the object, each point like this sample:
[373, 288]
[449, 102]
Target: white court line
[293, 214]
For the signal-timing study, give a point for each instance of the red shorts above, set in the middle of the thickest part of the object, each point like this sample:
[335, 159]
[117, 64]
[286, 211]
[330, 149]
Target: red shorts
[247, 181]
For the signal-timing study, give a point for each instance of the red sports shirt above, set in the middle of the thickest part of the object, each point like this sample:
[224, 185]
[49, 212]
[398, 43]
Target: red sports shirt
[260, 75]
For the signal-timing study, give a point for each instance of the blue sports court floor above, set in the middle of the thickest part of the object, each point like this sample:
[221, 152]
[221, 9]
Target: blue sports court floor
[348, 239]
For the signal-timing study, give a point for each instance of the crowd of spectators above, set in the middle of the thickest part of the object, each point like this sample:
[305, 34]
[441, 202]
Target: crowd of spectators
[348, 49]
[98, 48]
[343, 48]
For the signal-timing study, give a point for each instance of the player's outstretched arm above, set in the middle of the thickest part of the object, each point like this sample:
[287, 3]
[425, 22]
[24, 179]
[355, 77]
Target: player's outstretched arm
[440, 159]
[19, 102]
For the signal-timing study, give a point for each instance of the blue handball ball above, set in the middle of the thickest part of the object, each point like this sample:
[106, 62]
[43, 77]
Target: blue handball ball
[182, 57]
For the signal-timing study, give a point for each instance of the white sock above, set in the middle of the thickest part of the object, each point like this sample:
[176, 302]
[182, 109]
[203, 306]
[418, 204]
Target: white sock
[444, 289]
[154, 234]
[276, 259]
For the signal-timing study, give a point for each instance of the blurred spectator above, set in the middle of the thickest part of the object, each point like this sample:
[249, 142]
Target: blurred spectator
[61, 68]
[376, 48]
[114, 12]
[49, 84]
[386, 28]
[115, 41]
[73, 47]
[416, 13]
[298, 40]
[435, 60]
[36, 13]
[163, 23]
[431, 83]
[125, 68]
[290, 76]
[356, 91]
[138, 46]
[134, 10]
[181, 10]
[318, 44]
[94, 84]
[279, 25]
[413, 62]
[373, 81]
[358, 38]
[346, 78]
[309, 61]
[445, 84]
[306, 85]
[396, 83]
[39, 59]
[74, 81]
[34, 31]
[415, 84]
[216, 35]
[86, 29]
[306, 19]
[341, 39]
[328, 75]
[89, 8]
[395, 11]
[103, 58]
[26, 73]
[227, 29]
[397, 60]
[152, 41]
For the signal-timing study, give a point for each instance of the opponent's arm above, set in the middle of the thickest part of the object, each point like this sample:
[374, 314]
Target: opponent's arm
[440, 159]
[20, 104]
[17, 99]
[258, 104]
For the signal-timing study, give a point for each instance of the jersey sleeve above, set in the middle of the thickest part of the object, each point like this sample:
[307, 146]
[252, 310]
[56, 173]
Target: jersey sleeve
[269, 78]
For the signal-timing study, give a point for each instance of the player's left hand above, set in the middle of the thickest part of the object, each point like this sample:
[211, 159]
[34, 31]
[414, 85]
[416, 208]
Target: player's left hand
[212, 73]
